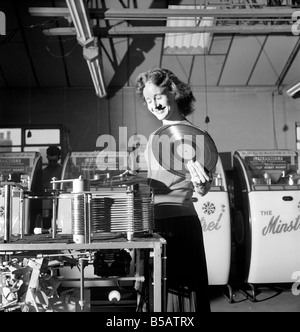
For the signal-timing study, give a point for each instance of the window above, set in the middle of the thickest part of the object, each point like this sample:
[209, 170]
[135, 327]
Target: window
[10, 139]
[188, 43]
[34, 138]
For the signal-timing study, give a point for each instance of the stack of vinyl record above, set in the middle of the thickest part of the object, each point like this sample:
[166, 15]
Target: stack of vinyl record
[121, 212]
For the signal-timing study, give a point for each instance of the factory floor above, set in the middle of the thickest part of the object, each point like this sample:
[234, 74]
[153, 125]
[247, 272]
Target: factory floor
[243, 297]
[234, 297]
[267, 298]
[224, 298]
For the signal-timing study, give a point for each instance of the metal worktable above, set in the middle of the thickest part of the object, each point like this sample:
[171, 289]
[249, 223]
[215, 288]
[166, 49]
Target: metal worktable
[42, 244]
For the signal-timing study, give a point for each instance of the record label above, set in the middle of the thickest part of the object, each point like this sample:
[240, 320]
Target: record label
[174, 145]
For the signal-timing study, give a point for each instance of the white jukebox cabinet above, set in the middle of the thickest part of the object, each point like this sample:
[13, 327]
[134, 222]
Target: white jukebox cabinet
[214, 214]
[267, 215]
[20, 172]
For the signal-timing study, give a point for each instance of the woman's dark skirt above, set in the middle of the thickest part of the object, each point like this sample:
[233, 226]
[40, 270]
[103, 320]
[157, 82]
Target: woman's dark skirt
[186, 262]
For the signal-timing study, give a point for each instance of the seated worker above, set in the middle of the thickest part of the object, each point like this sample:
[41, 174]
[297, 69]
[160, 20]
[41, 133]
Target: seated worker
[53, 169]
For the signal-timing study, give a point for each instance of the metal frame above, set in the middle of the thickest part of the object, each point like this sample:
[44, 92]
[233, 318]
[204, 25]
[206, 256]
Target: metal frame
[155, 243]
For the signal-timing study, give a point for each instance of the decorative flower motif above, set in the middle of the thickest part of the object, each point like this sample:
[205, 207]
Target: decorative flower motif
[1, 211]
[208, 208]
[222, 207]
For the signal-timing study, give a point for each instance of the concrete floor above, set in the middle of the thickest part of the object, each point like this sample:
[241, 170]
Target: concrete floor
[241, 297]
[268, 298]
[234, 298]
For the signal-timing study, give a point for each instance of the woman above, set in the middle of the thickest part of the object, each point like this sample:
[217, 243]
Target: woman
[176, 219]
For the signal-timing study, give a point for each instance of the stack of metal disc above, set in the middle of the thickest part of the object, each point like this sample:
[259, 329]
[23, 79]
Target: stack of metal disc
[121, 212]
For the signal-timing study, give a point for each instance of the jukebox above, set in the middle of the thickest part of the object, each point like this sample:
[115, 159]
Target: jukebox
[215, 217]
[267, 215]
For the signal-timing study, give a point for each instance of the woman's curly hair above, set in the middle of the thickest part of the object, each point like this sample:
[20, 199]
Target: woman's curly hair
[165, 78]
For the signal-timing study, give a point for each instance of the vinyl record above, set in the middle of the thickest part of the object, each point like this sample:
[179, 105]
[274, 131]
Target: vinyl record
[118, 181]
[174, 145]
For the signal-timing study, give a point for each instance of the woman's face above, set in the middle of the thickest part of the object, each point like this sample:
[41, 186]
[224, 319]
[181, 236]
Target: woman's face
[160, 101]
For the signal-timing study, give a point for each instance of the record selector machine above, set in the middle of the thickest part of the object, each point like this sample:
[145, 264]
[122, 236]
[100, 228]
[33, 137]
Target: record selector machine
[101, 231]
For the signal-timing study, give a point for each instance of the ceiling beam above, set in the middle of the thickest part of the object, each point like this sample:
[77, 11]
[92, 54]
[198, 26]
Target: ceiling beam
[225, 60]
[281, 14]
[150, 30]
[130, 14]
[258, 57]
[26, 45]
[237, 29]
[288, 64]
[163, 14]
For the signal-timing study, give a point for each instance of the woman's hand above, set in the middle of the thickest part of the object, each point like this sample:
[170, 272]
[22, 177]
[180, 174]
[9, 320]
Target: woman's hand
[201, 180]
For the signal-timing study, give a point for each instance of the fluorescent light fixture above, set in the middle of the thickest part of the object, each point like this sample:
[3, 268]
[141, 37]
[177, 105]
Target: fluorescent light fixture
[60, 32]
[49, 11]
[80, 17]
[293, 90]
[91, 54]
